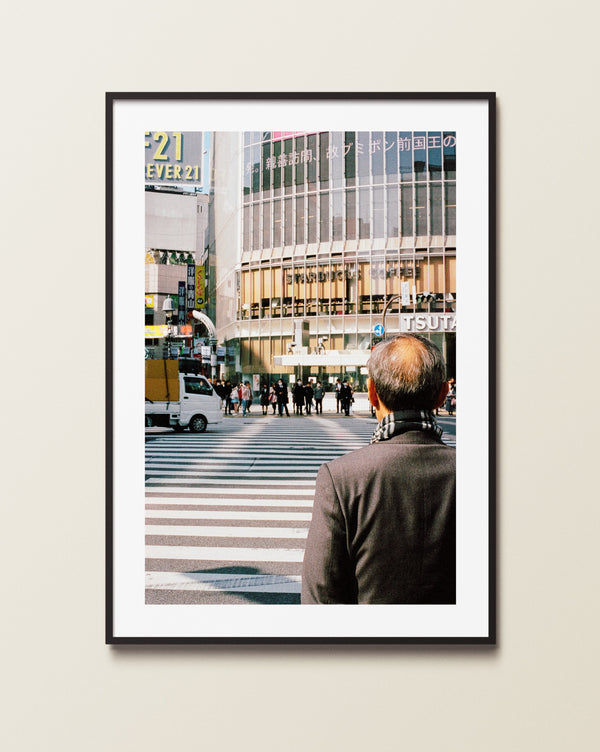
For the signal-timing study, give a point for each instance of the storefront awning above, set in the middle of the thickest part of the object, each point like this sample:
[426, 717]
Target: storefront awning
[331, 358]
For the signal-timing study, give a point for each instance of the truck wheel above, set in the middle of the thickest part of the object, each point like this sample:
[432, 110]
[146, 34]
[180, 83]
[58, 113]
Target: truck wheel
[198, 424]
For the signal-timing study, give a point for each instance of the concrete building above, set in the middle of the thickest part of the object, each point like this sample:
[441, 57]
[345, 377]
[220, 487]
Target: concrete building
[176, 238]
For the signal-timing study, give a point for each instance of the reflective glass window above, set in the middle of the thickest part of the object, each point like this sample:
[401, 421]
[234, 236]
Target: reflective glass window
[436, 211]
[420, 155]
[377, 156]
[421, 208]
[288, 161]
[324, 160]
[450, 190]
[246, 229]
[256, 226]
[324, 218]
[407, 210]
[266, 225]
[300, 218]
[311, 161]
[390, 146]
[299, 156]
[449, 148]
[312, 218]
[350, 157]
[337, 215]
[406, 155]
[363, 156]
[266, 171]
[277, 168]
[393, 211]
[364, 214]
[350, 215]
[434, 154]
[288, 237]
[255, 168]
[378, 213]
[247, 173]
[336, 159]
[277, 223]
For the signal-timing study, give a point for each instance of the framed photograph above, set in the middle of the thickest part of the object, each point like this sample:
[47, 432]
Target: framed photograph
[276, 473]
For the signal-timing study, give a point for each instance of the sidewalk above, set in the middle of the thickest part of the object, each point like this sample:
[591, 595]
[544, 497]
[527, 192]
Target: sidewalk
[361, 407]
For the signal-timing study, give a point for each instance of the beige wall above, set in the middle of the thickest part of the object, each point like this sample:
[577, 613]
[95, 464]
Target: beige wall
[176, 222]
[63, 690]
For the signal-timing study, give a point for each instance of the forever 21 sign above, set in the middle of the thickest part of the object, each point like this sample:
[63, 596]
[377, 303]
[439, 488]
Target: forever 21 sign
[173, 158]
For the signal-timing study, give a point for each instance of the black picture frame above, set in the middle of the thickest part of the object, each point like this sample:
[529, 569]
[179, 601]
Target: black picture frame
[476, 114]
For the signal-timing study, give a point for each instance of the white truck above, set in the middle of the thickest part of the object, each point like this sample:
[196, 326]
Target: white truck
[179, 400]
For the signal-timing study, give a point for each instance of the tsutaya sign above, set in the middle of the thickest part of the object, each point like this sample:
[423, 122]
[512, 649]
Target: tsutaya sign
[427, 322]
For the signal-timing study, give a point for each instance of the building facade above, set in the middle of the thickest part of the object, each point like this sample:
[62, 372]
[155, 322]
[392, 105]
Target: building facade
[327, 227]
[176, 226]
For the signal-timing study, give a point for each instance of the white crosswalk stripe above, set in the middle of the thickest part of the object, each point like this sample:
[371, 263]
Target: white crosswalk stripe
[199, 531]
[228, 511]
[206, 514]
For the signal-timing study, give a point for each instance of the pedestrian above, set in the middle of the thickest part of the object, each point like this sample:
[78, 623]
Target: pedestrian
[223, 393]
[338, 387]
[227, 389]
[251, 397]
[308, 396]
[282, 397]
[298, 397]
[264, 398]
[383, 527]
[319, 398]
[235, 398]
[246, 394]
[273, 398]
[451, 397]
[346, 397]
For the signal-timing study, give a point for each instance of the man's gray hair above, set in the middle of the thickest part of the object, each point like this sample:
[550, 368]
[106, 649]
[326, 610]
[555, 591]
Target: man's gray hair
[408, 372]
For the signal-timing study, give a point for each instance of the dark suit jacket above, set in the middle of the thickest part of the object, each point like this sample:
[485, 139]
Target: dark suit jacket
[383, 528]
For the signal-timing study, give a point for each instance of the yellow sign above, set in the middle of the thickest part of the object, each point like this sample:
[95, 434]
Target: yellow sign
[154, 332]
[200, 288]
[149, 300]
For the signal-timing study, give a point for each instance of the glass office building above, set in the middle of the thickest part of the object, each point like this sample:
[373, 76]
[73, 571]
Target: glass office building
[333, 224]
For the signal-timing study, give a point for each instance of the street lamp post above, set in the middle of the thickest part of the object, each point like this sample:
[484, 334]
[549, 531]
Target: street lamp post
[385, 310]
[168, 309]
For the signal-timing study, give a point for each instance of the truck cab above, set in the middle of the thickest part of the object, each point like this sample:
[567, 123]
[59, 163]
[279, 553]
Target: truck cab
[179, 400]
[200, 404]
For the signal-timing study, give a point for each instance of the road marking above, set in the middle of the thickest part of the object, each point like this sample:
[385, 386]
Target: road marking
[262, 462]
[238, 477]
[255, 583]
[234, 502]
[199, 490]
[208, 514]
[201, 531]
[200, 553]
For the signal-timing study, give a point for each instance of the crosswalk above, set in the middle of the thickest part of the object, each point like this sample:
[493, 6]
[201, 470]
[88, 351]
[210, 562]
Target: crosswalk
[228, 511]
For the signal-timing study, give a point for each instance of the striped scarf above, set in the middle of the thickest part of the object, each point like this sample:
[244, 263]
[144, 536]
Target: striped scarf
[406, 420]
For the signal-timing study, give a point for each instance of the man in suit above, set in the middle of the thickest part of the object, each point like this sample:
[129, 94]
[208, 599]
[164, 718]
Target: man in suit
[384, 523]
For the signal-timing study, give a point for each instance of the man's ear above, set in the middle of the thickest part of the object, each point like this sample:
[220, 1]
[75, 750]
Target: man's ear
[442, 395]
[373, 396]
